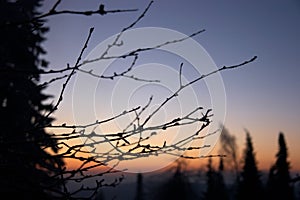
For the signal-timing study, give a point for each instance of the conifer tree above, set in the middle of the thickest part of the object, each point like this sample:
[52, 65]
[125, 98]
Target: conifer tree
[279, 177]
[216, 188]
[26, 168]
[210, 181]
[177, 186]
[222, 190]
[139, 189]
[250, 186]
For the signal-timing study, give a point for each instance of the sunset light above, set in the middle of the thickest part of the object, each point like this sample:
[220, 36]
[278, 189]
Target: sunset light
[150, 99]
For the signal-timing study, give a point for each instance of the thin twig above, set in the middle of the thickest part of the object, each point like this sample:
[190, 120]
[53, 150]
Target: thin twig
[71, 74]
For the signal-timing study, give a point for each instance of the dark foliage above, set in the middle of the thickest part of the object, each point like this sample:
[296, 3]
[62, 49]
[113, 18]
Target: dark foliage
[216, 188]
[139, 188]
[177, 187]
[250, 186]
[25, 167]
[279, 177]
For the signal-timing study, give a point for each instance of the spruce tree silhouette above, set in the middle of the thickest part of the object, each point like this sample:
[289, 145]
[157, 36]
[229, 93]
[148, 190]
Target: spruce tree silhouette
[216, 188]
[25, 167]
[279, 186]
[222, 190]
[250, 186]
[139, 188]
[177, 186]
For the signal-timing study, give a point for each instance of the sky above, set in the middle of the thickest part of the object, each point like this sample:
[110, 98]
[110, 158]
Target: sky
[262, 97]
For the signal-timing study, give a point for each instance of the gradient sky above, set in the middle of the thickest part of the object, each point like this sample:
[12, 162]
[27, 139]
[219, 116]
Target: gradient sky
[262, 96]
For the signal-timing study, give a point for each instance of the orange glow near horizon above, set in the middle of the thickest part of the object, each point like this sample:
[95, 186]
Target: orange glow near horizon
[265, 143]
[265, 159]
[265, 148]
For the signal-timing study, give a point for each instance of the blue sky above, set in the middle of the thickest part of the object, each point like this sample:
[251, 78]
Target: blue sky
[262, 96]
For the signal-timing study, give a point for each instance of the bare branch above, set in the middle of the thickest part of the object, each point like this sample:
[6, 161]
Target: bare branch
[180, 75]
[71, 74]
[94, 123]
[53, 12]
[52, 80]
[132, 141]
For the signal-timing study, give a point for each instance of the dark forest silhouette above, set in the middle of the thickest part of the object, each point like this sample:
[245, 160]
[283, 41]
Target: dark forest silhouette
[216, 187]
[250, 185]
[32, 160]
[26, 168]
[176, 184]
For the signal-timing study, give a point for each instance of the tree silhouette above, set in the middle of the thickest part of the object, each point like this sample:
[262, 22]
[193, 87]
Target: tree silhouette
[177, 186]
[250, 186]
[279, 186]
[216, 188]
[139, 188]
[221, 183]
[230, 149]
[27, 170]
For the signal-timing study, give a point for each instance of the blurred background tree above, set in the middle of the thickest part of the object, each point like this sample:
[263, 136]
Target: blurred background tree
[279, 185]
[250, 185]
[230, 149]
[139, 189]
[216, 188]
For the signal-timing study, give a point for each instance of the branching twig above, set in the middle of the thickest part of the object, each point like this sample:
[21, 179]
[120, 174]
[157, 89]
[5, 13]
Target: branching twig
[134, 140]
[71, 74]
[53, 11]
